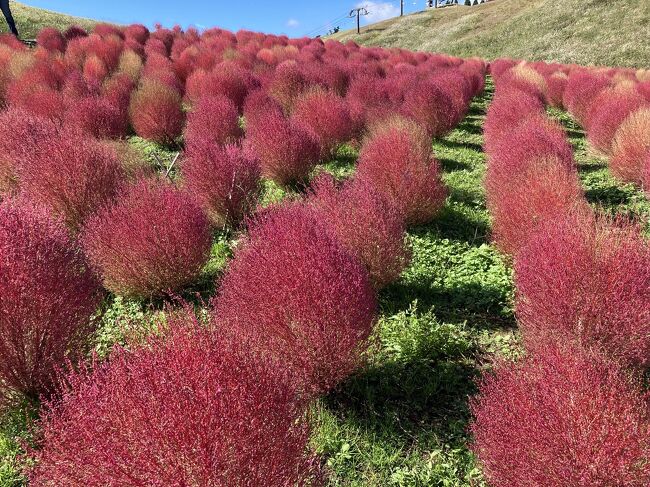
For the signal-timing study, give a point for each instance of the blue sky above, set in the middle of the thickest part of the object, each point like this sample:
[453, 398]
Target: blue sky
[292, 17]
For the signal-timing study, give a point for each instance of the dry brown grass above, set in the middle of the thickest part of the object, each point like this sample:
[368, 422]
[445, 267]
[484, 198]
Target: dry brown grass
[569, 31]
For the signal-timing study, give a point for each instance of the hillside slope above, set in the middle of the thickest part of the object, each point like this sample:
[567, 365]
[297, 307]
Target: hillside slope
[30, 20]
[601, 32]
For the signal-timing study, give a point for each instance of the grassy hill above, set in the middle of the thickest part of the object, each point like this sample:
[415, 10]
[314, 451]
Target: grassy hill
[31, 19]
[602, 32]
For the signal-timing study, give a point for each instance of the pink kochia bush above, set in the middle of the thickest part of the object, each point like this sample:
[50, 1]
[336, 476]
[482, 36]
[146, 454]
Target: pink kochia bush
[531, 178]
[47, 296]
[225, 180]
[185, 409]
[295, 294]
[506, 112]
[287, 149]
[582, 88]
[541, 191]
[156, 112]
[71, 175]
[328, 116]
[366, 224]
[606, 114]
[154, 239]
[213, 119]
[397, 160]
[97, 116]
[630, 145]
[586, 278]
[562, 418]
[20, 134]
[431, 107]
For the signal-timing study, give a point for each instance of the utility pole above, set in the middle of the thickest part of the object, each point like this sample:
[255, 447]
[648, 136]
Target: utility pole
[401, 8]
[358, 12]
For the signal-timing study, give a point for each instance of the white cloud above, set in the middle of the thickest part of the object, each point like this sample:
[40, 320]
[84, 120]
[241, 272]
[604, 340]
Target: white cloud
[293, 23]
[378, 11]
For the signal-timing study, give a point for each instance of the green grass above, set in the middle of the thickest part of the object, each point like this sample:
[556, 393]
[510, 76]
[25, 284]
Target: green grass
[30, 20]
[568, 31]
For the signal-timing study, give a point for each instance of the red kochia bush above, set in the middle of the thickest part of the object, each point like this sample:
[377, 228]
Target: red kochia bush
[225, 80]
[396, 160]
[536, 139]
[586, 278]
[581, 89]
[287, 150]
[71, 176]
[154, 239]
[606, 114]
[295, 294]
[47, 296]
[555, 86]
[186, 409]
[541, 191]
[430, 106]
[97, 116]
[506, 112]
[328, 116]
[156, 112]
[137, 32]
[562, 417]
[631, 143]
[224, 180]
[258, 103]
[213, 120]
[20, 134]
[366, 224]
[51, 39]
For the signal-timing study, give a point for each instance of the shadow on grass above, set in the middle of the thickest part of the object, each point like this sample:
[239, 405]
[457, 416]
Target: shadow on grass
[454, 223]
[609, 196]
[422, 399]
[587, 168]
[452, 144]
[470, 128]
[451, 165]
[476, 304]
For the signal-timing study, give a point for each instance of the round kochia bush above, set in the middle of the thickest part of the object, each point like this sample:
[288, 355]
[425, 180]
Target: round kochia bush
[153, 240]
[560, 418]
[366, 224]
[328, 116]
[396, 160]
[583, 86]
[541, 191]
[631, 143]
[295, 294]
[224, 180]
[431, 107]
[20, 134]
[287, 149]
[606, 114]
[47, 296]
[213, 119]
[186, 409]
[71, 175]
[156, 112]
[507, 111]
[586, 278]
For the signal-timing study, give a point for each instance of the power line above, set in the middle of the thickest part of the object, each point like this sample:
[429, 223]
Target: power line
[326, 26]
